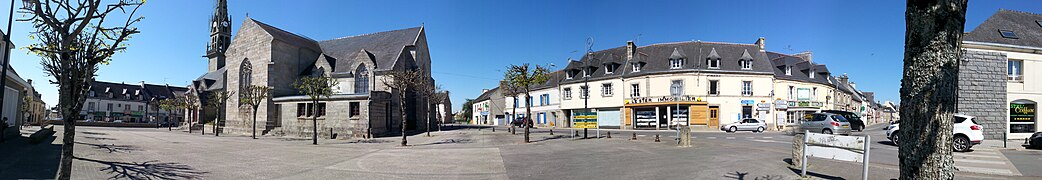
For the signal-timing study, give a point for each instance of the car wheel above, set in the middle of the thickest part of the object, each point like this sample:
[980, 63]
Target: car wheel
[826, 131]
[732, 129]
[760, 129]
[894, 137]
[961, 144]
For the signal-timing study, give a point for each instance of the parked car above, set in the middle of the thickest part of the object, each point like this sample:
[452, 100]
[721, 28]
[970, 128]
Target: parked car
[967, 133]
[826, 123]
[1035, 141]
[519, 121]
[855, 120]
[748, 124]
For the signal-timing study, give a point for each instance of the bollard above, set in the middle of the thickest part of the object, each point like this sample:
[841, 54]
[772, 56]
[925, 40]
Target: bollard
[586, 133]
[656, 138]
[493, 129]
[551, 132]
[609, 134]
[576, 132]
[634, 136]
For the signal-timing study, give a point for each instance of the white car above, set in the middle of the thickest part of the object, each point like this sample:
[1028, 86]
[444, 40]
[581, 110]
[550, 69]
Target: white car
[967, 133]
[745, 125]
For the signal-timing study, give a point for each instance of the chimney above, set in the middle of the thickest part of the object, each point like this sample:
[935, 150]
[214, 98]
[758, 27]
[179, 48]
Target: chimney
[852, 85]
[631, 49]
[759, 42]
[806, 55]
[843, 78]
[483, 91]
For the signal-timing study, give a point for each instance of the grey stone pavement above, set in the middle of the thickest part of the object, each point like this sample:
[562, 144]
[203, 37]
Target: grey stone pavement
[463, 153]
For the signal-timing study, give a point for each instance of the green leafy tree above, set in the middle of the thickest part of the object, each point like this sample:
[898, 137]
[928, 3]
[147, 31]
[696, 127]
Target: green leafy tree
[403, 81]
[316, 88]
[467, 111]
[523, 77]
[931, 66]
[253, 96]
[73, 39]
[218, 99]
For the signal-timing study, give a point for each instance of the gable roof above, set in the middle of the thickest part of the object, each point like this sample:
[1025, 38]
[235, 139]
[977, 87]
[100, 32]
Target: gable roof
[383, 46]
[147, 91]
[487, 94]
[286, 36]
[1024, 24]
[801, 69]
[656, 57]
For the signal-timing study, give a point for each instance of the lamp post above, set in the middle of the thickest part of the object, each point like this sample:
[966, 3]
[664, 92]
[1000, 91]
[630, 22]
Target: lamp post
[586, 86]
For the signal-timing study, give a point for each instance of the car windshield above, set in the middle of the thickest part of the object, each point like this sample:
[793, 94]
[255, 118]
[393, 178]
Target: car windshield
[960, 120]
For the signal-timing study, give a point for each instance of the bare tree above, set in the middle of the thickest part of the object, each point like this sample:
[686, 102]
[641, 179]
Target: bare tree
[430, 91]
[509, 90]
[403, 81]
[74, 38]
[316, 88]
[253, 96]
[190, 104]
[218, 99]
[523, 77]
[928, 90]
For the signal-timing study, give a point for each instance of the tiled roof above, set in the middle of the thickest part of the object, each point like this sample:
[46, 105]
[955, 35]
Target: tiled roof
[148, 91]
[1025, 25]
[487, 94]
[656, 57]
[384, 46]
[801, 69]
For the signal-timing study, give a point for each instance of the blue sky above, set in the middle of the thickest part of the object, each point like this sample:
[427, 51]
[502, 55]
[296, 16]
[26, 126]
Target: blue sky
[471, 41]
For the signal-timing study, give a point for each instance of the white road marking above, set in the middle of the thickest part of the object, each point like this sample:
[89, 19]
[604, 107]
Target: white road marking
[985, 170]
[768, 137]
[730, 137]
[978, 161]
[642, 135]
[749, 137]
[769, 141]
[978, 156]
[711, 138]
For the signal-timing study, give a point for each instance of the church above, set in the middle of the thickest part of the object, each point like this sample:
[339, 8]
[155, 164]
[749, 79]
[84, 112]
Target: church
[264, 55]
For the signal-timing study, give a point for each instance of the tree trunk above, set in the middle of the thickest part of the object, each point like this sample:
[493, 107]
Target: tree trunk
[513, 129]
[314, 123]
[401, 107]
[528, 114]
[428, 119]
[190, 117]
[928, 88]
[70, 102]
[254, 122]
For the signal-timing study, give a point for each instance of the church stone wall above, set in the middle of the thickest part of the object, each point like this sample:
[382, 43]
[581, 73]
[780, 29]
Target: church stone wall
[254, 44]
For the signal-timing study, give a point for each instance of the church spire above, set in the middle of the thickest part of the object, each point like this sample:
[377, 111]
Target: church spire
[220, 35]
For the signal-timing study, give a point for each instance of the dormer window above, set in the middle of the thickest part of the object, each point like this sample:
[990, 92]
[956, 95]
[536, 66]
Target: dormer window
[91, 93]
[746, 64]
[609, 69]
[636, 67]
[586, 72]
[676, 63]
[570, 75]
[713, 63]
[788, 70]
[812, 74]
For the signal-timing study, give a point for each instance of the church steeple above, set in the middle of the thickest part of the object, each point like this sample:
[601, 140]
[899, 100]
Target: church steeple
[220, 35]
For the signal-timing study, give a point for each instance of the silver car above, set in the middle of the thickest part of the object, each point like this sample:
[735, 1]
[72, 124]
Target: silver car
[826, 123]
[745, 125]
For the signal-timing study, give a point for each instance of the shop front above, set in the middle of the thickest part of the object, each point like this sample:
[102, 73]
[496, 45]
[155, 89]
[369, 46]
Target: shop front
[667, 112]
[1022, 117]
[796, 111]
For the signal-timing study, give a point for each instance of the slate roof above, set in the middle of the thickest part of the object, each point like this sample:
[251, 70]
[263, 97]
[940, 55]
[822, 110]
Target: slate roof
[288, 37]
[487, 94]
[211, 80]
[1024, 24]
[384, 46]
[656, 57]
[148, 91]
[800, 69]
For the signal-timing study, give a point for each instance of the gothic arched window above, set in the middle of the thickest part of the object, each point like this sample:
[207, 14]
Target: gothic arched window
[245, 75]
[361, 80]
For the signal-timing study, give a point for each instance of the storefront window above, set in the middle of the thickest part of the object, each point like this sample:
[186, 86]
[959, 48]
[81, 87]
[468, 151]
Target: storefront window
[1022, 116]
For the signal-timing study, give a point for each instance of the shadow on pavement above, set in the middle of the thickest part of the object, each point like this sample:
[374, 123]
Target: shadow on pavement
[93, 133]
[147, 170]
[550, 138]
[448, 141]
[112, 148]
[741, 176]
[814, 174]
[21, 160]
[887, 142]
[98, 138]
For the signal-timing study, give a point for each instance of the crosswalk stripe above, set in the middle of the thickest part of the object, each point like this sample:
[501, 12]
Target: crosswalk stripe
[730, 137]
[979, 156]
[768, 137]
[978, 161]
[711, 138]
[984, 170]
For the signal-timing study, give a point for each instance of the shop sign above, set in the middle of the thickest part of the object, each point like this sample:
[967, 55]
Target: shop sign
[1022, 112]
[584, 119]
[138, 113]
[781, 104]
[484, 113]
[804, 104]
[641, 100]
[748, 102]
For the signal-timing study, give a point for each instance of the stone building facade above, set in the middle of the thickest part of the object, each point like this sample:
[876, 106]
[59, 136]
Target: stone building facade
[361, 105]
[980, 83]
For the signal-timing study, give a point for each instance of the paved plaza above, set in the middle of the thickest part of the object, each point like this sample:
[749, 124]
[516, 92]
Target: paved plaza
[459, 153]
